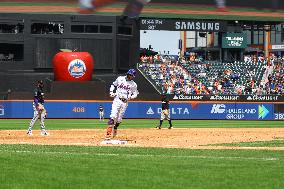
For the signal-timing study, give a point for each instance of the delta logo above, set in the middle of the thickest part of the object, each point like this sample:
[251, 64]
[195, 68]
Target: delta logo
[262, 112]
[77, 68]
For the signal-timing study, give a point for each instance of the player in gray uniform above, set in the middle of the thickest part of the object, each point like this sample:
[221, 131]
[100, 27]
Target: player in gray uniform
[126, 89]
[101, 113]
[165, 113]
[39, 110]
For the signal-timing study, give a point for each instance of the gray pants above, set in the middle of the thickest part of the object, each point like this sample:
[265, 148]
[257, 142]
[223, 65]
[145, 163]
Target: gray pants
[37, 115]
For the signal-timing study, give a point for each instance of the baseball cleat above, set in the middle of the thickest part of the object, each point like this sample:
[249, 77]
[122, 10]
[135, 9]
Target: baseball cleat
[107, 137]
[158, 127]
[114, 133]
[109, 132]
[170, 127]
[44, 133]
[29, 133]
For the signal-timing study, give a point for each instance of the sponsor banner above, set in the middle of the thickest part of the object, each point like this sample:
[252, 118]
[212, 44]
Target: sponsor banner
[241, 111]
[230, 98]
[182, 25]
[146, 110]
[264, 98]
[234, 40]
[207, 98]
[277, 47]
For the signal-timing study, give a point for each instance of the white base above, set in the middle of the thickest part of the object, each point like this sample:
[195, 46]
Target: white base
[114, 142]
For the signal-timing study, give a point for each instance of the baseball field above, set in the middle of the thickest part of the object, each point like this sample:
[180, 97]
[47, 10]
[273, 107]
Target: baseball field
[195, 154]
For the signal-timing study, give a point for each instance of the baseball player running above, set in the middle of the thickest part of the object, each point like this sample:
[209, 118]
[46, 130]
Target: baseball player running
[125, 89]
[39, 110]
[132, 10]
[165, 113]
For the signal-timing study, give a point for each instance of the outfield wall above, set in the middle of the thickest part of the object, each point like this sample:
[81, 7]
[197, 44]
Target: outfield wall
[149, 110]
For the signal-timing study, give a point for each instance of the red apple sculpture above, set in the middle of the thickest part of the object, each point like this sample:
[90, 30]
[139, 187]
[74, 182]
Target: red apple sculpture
[73, 66]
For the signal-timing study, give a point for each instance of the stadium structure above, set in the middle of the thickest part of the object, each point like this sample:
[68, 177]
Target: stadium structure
[29, 41]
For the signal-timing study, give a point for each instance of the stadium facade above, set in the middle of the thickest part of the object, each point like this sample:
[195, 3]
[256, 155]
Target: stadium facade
[29, 42]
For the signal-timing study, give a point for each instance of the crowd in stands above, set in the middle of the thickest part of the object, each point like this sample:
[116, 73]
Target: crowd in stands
[254, 75]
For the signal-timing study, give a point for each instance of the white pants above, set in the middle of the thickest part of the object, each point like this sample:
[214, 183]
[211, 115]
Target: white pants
[165, 116]
[101, 115]
[118, 109]
[37, 115]
[220, 3]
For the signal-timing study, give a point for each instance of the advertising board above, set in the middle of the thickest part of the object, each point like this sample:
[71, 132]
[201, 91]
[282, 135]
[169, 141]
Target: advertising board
[149, 110]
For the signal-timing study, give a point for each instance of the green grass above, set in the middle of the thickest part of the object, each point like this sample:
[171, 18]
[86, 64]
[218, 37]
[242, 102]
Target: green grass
[271, 143]
[33, 167]
[86, 167]
[19, 124]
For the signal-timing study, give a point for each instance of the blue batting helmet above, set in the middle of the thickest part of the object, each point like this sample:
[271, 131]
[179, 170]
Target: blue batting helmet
[131, 72]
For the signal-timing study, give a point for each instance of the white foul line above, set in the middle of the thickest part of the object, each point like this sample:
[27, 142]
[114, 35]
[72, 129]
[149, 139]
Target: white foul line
[151, 155]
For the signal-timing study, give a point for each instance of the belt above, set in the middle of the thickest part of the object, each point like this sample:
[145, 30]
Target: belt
[123, 100]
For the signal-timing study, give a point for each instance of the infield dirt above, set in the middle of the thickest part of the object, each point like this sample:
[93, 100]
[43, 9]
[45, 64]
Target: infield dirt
[194, 138]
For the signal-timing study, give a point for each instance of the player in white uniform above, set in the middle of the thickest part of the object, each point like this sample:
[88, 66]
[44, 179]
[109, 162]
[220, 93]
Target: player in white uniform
[126, 89]
[221, 5]
[132, 9]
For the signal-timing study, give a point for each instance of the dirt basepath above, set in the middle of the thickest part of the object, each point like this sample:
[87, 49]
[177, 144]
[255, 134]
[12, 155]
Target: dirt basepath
[196, 138]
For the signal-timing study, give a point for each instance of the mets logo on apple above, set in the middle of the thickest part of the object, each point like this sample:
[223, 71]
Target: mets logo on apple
[77, 68]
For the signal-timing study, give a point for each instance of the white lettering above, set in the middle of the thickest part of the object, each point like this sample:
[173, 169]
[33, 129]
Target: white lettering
[197, 25]
[186, 111]
[190, 26]
[217, 26]
[179, 110]
[203, 26]
[183, 26]
[177, 25]
[210, 26]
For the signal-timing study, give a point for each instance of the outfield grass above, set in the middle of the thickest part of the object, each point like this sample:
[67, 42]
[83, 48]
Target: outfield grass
[34, 167]
[86, 167]
[271, 143]
[19, 124]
